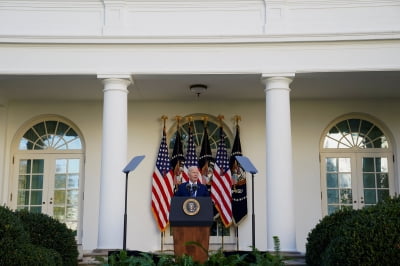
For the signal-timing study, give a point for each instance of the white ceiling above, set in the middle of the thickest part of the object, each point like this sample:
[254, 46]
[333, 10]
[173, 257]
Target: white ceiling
[361, 85]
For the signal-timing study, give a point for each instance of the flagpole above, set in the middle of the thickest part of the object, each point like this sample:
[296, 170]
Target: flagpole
[252, 212]
[162, 241]
[237, 238]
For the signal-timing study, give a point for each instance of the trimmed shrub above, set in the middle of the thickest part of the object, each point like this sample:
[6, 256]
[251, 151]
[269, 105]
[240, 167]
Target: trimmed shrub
[370, 236]
[12, 235]
[321, 236]
[49, 233]
[29, 255]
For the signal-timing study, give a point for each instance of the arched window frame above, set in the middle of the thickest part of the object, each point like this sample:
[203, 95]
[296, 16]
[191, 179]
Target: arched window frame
[355, 151]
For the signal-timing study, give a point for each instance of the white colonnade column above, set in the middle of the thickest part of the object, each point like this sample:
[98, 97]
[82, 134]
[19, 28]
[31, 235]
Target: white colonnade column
[113, 160]
[279, 173]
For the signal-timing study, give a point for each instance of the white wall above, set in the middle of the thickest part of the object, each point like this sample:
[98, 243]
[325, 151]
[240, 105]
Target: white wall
[309, 119]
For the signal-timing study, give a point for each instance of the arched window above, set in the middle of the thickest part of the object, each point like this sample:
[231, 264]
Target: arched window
[355, 133]
[48, 171]
[50, 135]
[356, 164]
[198, 133]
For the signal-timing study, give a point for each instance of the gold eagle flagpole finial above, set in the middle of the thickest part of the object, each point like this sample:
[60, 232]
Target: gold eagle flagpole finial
[205, 119]
[164, 118]
[237, 119]
[220, 118]
[178, 119]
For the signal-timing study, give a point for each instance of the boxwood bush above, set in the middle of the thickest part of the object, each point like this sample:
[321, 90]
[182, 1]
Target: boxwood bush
[35, 239]
[47, 232]
[370, 236]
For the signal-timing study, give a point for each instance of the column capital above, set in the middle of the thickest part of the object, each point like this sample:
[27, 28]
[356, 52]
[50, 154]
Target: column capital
[117, 79]
[277, 80]
[115, 76]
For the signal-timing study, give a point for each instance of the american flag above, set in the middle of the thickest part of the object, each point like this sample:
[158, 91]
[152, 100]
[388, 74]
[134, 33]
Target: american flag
[163, 185]
[191, 157]
[221, 192]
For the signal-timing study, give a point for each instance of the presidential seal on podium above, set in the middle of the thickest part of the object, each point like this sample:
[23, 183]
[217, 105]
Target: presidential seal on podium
[191, 206]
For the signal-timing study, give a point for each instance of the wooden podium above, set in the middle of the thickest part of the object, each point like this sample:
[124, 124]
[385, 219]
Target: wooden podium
[191, 220]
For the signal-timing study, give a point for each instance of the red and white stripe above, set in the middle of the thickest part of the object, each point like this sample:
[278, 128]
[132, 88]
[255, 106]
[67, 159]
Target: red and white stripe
[221, 194]
[162, 192]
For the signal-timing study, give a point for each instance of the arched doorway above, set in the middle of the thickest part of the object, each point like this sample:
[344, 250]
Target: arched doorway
[356, 163]
[48, 159]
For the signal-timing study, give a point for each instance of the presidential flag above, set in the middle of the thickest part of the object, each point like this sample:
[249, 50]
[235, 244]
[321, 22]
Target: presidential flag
[221, 185]
[163, 185]
[239, 188]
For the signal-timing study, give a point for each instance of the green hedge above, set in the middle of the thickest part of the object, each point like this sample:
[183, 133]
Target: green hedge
[370, 236]
[49, 233]
[35, 239]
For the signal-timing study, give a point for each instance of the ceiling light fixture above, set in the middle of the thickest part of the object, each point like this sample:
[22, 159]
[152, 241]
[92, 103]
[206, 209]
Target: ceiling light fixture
[198, 89]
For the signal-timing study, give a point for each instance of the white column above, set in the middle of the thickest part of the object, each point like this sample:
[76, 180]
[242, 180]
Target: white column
[113, 160]
[280, 200]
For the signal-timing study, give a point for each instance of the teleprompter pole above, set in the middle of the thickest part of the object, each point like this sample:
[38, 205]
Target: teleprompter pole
[253, 216]
[130, 167]
[125, 216]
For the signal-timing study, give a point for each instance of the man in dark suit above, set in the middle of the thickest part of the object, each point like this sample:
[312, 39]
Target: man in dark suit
[192, 188]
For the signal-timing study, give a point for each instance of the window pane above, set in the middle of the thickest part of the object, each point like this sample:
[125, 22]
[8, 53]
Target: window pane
[354, 124]
[60, 181]
[346, 196]
[332, 180]
[375, 133]
[368, 164]
[382, 181]
[59, 197]
[73, 181]
[23, 197]
[59, 213]
[37, 181]
[331, 165]
[72, 213]
[61, 166]
[381, 164]
[370, 196]
[73, 197]
[36, 209]
[344, 165]
[51, 126]
[24, 166]
[75, 144]
[345, 180]
[333, 196]
[36, 197]
[73, 166]
[369, 180]
[342, 126]
[37, 166]
[24, 182]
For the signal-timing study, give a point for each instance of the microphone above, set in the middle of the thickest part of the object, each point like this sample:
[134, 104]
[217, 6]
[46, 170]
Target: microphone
[188, 187]
[194, 187]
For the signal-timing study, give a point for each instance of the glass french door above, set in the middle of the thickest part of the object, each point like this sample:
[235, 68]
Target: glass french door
[50, 184]
[355, 180]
